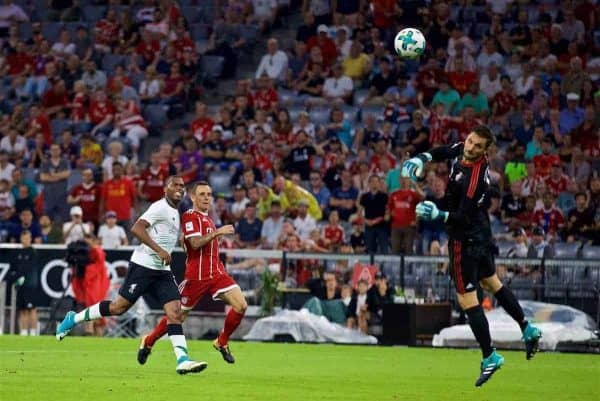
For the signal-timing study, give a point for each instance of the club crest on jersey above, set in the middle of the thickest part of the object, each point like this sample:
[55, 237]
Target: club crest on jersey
[189, 226]
[458, 176]
[132, 288]
[209, 230]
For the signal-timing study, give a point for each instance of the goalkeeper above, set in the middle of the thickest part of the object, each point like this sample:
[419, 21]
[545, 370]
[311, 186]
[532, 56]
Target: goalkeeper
[466, 203]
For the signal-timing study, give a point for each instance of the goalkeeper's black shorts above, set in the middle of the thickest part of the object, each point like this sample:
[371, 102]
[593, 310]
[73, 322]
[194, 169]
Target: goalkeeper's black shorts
[469, 263]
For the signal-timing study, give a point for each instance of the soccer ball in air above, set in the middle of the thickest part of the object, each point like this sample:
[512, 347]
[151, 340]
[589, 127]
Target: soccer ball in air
[409, 43]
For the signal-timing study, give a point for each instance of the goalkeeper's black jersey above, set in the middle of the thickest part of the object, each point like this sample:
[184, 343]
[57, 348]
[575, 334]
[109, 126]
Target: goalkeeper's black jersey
[467, 197]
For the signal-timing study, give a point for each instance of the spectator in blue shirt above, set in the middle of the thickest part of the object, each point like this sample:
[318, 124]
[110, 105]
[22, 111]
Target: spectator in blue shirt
[572, 116]
[343, 199]
[319, 190]
[248, 228]
[26, 222]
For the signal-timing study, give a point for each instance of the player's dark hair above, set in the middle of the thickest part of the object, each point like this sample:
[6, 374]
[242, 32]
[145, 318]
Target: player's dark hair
[578, 194]
[483, 131]
[171, 178]
[197, 184]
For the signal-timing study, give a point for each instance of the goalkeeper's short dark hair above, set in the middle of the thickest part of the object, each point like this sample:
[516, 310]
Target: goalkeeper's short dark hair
[483, 131]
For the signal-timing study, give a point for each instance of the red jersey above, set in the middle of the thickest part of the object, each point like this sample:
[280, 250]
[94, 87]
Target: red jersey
[550, 220]
[504, 102]
[263, 163]
[265, 99]
[148, 50]
[376, 161]
[153, 183]
[78, 111]
[42, 124]
[99, 111]
[182, 45]
[201, 127]
[543, 163]
[383, 13]
[401, 205]
[328, 49]
[18, 62]
[202, 263]
[438, 132]
[557, 186]
[334, 234]
[51, 99]
[464, 126]
[107, 32]
[119, 196]
[89, 200]
[461, 80]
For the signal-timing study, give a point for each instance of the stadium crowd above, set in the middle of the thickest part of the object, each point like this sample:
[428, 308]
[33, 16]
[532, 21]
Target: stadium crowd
[304, 155]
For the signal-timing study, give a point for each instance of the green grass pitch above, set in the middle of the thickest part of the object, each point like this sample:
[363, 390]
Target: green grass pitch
[90, 369]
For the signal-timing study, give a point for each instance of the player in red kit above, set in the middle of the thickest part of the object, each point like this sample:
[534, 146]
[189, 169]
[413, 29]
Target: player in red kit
[204, 272]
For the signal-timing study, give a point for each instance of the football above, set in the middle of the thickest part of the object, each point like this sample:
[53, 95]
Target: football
[409, 43]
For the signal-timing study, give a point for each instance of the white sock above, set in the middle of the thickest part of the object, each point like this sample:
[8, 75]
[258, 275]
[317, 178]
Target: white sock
[91, 313]
[179, 345]
[24, 332]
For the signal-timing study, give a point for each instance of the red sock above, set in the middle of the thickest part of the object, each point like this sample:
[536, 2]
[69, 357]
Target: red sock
[232, 321]
[159, 331]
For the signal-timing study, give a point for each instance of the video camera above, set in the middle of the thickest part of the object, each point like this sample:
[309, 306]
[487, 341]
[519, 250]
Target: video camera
[78, 256]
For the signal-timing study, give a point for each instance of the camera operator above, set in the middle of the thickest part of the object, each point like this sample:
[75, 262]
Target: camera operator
[89, 277]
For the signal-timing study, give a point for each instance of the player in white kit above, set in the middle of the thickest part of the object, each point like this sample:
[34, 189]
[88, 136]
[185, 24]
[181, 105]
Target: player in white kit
[150, 273]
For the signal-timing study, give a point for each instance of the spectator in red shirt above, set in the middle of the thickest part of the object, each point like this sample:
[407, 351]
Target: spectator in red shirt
[550, 218]
[460, 79]
[39, 122]
[557, 181]
[174, 89]
[119, 195]
[526, 218]
[333, 232]
[107, 32]
[384, 12]
[544, 161]
[202, 124]
[148, 49]
[19, 62]
[56, 99]
[102, 114]
[79, 104]
[401, 211]
[152, 180]
[327, 46]
[381, 152]
[505, 101]
[87, 196]
[265, 97]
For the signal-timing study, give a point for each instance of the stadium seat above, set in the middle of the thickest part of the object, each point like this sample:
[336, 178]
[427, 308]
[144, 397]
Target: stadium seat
[319, 115]
[58, 126]
[200, 31]
[294, 111]
[351, 113]
[287, 96]
[74, 179]
[220, 181]
[111, 61]
[25, 31]
[156, 115]
[566, 250]
[192, 14]
[591, 252]
[51, 31]
[211, 66]
[93, 14]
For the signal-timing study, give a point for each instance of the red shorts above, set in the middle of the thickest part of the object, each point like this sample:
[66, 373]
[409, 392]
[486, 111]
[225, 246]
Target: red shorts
[193, 290]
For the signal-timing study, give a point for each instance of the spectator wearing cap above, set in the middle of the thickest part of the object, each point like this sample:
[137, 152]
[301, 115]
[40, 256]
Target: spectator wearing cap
[274, 63]
[373, 207]
[539, 247]
[357, 64]
[76, 229]
[572, 116]
[119, 195]
[248, 229]
[87, 196]
[110, 234]
[327, 46]
[54, 174]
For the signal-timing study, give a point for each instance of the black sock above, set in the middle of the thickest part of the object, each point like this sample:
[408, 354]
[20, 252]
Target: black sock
[509, 302]
[104, 308]
[174, 329]
[481, 329]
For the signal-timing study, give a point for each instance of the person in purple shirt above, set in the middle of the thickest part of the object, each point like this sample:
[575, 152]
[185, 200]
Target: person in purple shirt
[192, 164]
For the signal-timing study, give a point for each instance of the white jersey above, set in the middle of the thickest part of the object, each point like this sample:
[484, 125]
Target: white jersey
[164, 230]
